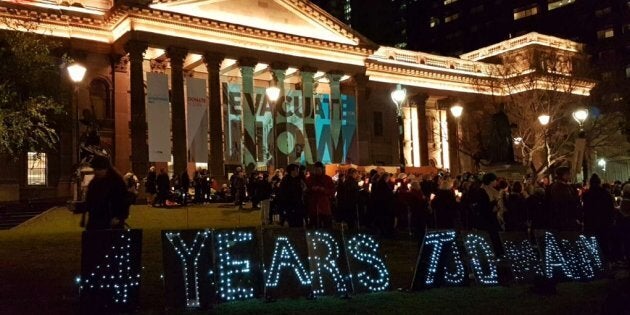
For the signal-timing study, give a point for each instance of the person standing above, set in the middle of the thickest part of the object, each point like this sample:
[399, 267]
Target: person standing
[563, 202]
[445, 205]
[289, 198]
[382, 202]
[150, 186]
[106, 200]
[184, 182]
[599, 212]
[163, 188]
[485, 207]
[348, 199]
[320, 190]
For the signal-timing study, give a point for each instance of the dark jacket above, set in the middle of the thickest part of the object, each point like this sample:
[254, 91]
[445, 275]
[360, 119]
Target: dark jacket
[516, 215]
[150, 185]
[599, 210]
[562, 206]
[289, 197]
[348, 196]
[446, 209]
[106, 199]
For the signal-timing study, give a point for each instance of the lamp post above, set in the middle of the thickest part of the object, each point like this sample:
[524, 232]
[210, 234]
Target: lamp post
[273, 93]
[580, 115]
[398, 96]
[456, 111]
[544, 121]
[76, 72]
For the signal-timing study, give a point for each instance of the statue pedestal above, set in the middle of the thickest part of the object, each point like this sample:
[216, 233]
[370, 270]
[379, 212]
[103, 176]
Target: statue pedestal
[507, 171]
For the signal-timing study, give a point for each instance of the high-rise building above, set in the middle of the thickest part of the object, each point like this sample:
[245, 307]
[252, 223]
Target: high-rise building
[453, 27]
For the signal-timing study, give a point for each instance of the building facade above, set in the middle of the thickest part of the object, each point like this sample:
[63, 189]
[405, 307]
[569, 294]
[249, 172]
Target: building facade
[183, 85]
[454, 27]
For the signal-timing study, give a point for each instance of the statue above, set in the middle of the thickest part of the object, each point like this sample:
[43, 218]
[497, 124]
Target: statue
[500, 150]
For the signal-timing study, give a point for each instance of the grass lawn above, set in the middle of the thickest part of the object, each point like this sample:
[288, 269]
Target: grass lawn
[40, 260]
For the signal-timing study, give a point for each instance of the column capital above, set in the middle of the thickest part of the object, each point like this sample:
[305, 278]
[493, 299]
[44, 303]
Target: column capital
[176, 55]
[445, 103]
[309, 69]
[136, 49]
[247, 62]
[213, 60]
[120, 62]
[279, 66]
[419, 99]
[361, 79]
[334, 76]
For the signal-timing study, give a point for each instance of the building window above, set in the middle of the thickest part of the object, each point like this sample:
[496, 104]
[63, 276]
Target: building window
[605, 33]
[523, 13]
[552, 5]
[628, 71]
[608, 55]
[446, 2]
[433, 22]
[101, 100]
[603, 12]
[347, 11]
[607, 76]
[451, 17]
[477, 9]
[378, 124]
[36, 169]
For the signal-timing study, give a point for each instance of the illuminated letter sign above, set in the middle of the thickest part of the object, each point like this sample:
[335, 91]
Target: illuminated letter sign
[188, 275]
[110, 270]
[439, 261]
[238, 271]
[369, 272]
[482, 259]
[327, 262]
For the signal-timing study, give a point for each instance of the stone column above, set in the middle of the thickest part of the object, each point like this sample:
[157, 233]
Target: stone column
[281, 140]
[178, 109]
[215, 159]
[249, 115]
[364, 120]
[138, 125]
[335, 116]
[420, 102]
[310, 145]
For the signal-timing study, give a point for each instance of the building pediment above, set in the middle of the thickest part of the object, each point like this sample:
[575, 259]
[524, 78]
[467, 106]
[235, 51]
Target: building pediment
[295, 17]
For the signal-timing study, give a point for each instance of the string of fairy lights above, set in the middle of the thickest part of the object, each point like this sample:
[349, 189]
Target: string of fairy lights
[364, 248]
[230, 267]
[190, 254]
[114, 273]
[326, 264]
[480, 251]
[285, 256]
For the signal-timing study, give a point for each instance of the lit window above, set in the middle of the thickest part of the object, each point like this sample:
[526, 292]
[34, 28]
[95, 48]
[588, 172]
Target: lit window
[607, 76]
[519, 14]
[36, 169]
[347, 10]
[451, 17]
[603, 12]
[628, 71]
[557, 4]
[605, 33]
[433, 22]
[449, 1]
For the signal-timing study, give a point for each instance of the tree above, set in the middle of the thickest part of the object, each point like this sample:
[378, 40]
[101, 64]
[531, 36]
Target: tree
[551, 82]
[30, 97]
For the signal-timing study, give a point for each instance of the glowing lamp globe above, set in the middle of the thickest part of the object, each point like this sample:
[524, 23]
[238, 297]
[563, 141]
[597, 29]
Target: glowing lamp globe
[76, 72]
[544, 119]
[580, 116]
[273, 93]
[457, 110]
[399, 95]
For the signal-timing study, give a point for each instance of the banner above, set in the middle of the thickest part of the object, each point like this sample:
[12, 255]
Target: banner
[197, 120]
[158, 117]
[299, 120]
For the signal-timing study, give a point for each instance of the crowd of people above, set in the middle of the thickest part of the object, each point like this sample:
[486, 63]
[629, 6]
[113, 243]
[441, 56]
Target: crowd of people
[389, 204]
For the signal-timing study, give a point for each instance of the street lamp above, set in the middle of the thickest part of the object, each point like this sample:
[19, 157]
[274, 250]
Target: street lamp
[76, 72]
[456, 111]
[544, 121]
[580, 116]
[398, 96]
[273, 93]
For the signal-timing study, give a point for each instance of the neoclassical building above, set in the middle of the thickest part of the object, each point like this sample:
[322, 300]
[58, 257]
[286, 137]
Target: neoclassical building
[182, 84]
